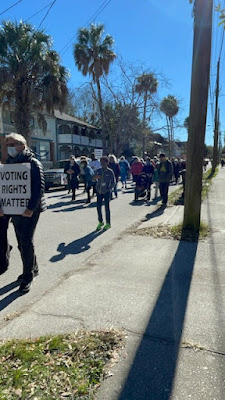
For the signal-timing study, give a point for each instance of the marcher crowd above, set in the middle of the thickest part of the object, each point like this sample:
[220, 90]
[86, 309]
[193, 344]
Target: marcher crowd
[99, 176]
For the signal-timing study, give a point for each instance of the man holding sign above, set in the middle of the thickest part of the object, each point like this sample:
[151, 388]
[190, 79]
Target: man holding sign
[21, 199]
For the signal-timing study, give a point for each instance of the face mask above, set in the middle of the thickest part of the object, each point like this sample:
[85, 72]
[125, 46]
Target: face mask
[12, 151]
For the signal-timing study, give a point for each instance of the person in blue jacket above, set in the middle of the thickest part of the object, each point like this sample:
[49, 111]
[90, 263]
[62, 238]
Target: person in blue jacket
[89, 173]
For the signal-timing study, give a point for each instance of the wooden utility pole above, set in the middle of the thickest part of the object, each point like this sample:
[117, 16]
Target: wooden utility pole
[198, 111]
[216, 127]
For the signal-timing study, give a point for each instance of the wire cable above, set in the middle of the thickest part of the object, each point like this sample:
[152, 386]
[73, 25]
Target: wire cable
[38, 12]
[52, 4]
[3, 12]
[92, 18]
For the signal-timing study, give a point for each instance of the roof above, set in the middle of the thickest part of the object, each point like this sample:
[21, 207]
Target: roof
[69, 118]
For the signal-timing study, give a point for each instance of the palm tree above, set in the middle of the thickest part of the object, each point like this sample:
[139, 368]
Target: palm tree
[169, 106]
[147, 84]
[93, 55]
[31, 78]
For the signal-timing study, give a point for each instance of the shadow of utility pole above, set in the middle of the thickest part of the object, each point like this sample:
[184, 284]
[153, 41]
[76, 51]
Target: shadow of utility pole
[153, 370]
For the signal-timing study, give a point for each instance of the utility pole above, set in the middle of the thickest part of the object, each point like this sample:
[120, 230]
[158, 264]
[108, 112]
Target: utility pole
[216, 128]
[220, 137]
[203, 10]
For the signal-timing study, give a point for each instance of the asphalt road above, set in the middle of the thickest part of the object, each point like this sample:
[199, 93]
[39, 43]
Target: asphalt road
[64, 240]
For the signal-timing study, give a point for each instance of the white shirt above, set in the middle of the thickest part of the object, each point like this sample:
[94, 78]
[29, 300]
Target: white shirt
[95, 164]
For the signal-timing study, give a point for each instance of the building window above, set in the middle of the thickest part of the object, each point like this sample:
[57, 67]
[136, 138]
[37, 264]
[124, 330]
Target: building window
[7, 117]
[84, 131]
[76, 130]
[65, 152]
[64, 129]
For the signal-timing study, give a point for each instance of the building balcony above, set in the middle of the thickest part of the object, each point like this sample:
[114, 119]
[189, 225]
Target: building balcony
[80, 140]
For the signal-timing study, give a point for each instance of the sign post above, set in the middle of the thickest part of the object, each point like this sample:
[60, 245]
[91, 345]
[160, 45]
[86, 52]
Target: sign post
[15, 188]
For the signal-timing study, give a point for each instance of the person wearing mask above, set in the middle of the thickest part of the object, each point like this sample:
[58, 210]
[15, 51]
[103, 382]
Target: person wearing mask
[165, 172]
[94, 164]
[114, 165]
[105, 183]
[25, 224]
[89, 173]
[72, 169]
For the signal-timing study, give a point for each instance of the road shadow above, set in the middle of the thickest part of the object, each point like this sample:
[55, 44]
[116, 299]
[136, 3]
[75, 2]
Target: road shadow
[9, 287]
[61, 204]
[77, 246]
[12, 296]
[153, 370]
[90, 205]
[156, 213]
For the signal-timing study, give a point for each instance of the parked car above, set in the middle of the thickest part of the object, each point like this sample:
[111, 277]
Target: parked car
[55, 177]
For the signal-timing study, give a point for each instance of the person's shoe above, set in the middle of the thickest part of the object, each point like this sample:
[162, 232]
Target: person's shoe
[100, 225]
[106, 227]
[87, 201]
[25, 287]
[21, 277]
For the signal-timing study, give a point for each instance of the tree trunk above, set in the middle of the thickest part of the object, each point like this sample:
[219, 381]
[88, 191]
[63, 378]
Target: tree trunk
[1, 120]
[198, 112]
[100, 103]
[143, 124]
[169, 136]
[23, 105]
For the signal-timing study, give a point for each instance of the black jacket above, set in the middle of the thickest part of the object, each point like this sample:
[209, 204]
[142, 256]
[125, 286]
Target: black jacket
[37, 201]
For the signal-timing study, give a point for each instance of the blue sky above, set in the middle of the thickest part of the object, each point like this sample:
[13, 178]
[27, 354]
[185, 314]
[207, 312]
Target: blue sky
[157, 33]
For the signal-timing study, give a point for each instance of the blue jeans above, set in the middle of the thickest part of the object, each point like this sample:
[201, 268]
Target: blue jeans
[100, 198]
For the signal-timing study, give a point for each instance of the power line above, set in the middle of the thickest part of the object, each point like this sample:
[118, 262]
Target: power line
[3, 12]
[38, 12]
[52, 4]
[92, 18]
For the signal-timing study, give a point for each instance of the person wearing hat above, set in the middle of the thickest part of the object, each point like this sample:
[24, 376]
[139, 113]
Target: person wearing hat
[165, 172]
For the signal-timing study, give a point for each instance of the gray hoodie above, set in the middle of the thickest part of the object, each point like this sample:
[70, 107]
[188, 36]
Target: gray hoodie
[107, 181]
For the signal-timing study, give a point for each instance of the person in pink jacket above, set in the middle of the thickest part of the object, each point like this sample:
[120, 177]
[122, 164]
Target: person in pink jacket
[136, 168]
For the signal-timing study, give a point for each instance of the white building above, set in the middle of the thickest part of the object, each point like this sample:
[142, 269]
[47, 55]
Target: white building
[65, 135]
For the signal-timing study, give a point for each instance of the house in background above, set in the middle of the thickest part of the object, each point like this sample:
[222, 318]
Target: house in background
[65, 135]
[74, 136]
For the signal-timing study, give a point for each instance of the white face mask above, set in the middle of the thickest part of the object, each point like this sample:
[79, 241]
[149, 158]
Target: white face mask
[12, 151]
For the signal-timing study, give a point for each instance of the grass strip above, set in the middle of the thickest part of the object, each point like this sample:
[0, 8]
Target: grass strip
[207, 182]
[57, 367]
[174, 232]
[175, 198]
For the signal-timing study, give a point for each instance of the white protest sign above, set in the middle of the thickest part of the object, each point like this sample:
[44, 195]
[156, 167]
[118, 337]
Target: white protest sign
[15, 188]
[98, 153]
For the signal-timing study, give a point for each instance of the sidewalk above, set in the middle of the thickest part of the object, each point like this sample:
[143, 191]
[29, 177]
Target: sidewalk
[167, 296]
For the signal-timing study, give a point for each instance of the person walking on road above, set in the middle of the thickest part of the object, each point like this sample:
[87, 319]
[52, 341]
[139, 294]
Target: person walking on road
[89, 173]
[105, 183]
[136, 168]
[72, 170]
[94, 164]
[26, 223]
[114, 165]
[165, 172]
[124, 170]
